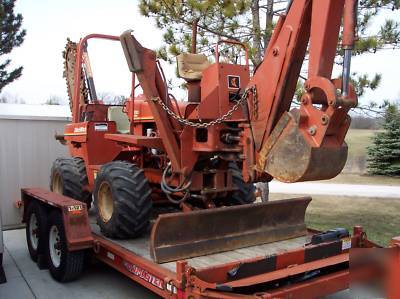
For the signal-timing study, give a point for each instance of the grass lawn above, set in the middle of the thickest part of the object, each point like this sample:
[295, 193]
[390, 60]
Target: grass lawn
[347, 178]
[378, 216]
[358, 140]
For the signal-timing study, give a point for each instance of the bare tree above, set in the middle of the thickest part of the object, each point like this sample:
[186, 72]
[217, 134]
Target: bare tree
[54, 100]
[11, 99]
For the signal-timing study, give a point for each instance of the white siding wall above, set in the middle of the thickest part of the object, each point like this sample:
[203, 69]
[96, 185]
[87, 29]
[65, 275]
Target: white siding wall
[27, 150]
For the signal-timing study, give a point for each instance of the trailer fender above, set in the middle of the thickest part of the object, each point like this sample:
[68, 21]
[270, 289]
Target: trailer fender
[75, 215]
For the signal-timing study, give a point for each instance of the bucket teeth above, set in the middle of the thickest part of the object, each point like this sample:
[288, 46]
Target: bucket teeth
[178, 236]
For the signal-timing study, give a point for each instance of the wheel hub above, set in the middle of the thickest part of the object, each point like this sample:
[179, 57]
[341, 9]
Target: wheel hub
[55, 246]
[105, 203]
[57, 183]
[33, 231]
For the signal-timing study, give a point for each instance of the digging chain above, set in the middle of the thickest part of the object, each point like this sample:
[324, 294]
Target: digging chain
[219, 120]
[69, 55]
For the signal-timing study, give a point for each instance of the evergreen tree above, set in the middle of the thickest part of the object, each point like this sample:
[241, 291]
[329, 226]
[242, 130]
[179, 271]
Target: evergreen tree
[11, 36]
[252, 22]
[384, 153]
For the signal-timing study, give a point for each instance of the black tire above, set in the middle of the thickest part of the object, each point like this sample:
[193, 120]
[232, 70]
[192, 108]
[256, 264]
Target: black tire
[72, 174]
[246, 191]
[127, 214]
[71, 262]
[36, 247]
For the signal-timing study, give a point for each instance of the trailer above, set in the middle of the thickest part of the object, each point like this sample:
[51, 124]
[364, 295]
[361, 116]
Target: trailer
[309, 266]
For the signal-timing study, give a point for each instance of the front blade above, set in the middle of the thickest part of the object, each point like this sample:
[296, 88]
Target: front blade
[183, 235]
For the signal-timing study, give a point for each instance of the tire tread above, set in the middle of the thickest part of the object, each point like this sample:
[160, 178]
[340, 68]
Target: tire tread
[75, 181]
[245, 193]
[132, 203]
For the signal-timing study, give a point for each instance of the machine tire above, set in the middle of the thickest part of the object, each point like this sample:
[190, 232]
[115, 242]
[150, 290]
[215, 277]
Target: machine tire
[122, 200]
[65, 265]
[246, 191]
[69, 178]
[36, 215]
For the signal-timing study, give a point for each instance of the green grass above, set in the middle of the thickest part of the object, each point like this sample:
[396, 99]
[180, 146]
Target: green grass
[378, 216]
[358, 140]
[355, 170]
[347, 178]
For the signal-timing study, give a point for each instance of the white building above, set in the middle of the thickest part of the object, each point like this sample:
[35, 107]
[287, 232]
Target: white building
[27, 150]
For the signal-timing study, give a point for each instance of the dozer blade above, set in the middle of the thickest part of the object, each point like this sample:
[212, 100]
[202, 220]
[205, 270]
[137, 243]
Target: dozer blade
[178, 236]
[288, 157]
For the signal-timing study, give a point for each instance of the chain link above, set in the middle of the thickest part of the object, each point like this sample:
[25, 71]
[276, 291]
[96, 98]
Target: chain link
[255, 104]
[205, 124]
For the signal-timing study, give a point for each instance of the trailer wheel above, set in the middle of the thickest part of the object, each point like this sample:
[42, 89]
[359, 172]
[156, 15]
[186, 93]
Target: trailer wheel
[69, 178]
[122, 200]
[36, 228]
[246, 191]
[64, 265]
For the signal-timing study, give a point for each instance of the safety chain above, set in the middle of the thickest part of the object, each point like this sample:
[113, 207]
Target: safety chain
[206, 124]
[255, 104]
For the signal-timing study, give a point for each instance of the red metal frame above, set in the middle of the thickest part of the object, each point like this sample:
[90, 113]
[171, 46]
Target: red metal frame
[393, 289]
[78, 70]
[186, 281]
[75, 215]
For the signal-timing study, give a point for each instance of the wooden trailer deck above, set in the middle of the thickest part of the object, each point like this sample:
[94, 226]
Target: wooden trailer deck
[140, 247]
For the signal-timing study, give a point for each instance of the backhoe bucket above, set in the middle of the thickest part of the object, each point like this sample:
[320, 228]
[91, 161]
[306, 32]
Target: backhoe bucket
[178, 236]
[288, 157]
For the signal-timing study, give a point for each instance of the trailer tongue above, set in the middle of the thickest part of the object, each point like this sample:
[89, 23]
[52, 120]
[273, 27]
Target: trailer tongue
[178, 236]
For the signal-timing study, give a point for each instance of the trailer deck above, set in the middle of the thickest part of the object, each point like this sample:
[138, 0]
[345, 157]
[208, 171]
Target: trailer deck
[294, 268]
[140, 247]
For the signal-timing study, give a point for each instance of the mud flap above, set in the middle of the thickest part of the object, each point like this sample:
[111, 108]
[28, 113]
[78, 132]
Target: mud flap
[288, 157]
[178, 236]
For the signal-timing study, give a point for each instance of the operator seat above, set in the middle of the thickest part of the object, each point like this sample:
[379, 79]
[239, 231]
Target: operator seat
[116, 114]
[190, 68]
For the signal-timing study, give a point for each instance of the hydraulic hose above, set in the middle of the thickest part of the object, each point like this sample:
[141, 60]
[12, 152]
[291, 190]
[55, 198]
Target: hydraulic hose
[168, 190]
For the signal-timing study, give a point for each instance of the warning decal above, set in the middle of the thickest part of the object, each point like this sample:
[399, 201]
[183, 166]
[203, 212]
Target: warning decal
[233, 82]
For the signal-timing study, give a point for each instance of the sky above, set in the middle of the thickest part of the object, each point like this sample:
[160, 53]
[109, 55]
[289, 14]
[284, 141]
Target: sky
[50, 22]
